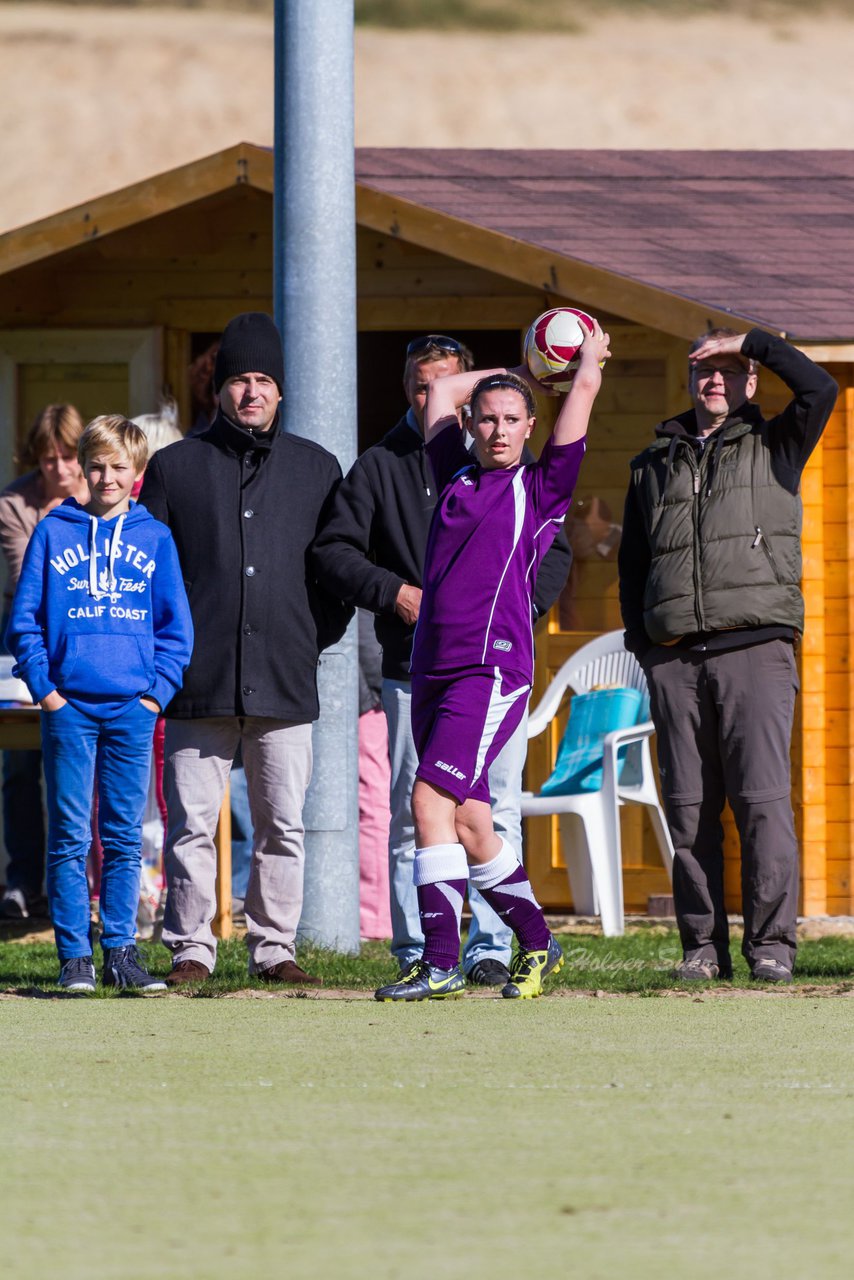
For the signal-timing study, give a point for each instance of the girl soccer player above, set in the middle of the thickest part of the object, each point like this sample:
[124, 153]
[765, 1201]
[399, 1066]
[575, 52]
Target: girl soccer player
[473, 655]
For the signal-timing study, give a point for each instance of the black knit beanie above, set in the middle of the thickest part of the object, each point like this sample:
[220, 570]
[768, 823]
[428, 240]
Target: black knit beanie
[251, 343]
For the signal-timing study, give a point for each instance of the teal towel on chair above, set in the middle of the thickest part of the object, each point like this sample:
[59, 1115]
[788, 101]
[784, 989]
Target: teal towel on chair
[591, 715]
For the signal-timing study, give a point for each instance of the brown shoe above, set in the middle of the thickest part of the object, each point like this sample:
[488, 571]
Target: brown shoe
[185, 972]
[289, 973]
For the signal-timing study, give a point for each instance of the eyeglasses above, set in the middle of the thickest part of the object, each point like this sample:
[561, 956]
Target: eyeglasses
[434, 340]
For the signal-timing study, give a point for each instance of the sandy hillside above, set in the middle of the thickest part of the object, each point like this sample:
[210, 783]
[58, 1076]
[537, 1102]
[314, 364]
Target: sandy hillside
[96, 98]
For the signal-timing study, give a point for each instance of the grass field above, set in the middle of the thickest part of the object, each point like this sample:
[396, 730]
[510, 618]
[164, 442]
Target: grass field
[639, 962]
[344, 1139]
[338, 1138]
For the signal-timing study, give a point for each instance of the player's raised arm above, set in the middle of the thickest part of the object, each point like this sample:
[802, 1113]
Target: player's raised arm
[574, 414]
[446, 396]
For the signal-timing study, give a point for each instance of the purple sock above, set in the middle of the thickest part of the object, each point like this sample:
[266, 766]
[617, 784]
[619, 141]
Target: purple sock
[441, 907]
[441, 875]
[507, 889]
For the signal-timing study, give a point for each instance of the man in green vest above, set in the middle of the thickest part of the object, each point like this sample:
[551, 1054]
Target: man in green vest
[710, 568]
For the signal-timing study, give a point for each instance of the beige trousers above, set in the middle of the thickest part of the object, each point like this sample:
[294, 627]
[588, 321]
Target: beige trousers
[277, 761]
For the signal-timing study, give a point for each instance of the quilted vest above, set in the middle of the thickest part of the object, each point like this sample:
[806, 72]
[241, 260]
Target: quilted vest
[725, 536]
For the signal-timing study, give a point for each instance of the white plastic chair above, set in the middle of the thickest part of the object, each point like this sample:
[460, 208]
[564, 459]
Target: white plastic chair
[594, 862]
[11, 688]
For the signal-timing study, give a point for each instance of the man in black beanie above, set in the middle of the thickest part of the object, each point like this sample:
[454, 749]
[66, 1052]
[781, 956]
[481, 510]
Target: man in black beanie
[244, 502]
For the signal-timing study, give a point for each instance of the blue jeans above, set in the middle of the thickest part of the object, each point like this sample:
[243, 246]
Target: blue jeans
[76, 745]
[23, 821]
[488, 937]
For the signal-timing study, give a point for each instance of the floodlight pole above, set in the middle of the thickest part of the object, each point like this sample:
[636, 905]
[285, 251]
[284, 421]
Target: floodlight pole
[314, 290]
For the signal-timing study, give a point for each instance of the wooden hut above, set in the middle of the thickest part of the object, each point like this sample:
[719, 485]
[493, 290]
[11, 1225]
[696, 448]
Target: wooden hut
[107, 304]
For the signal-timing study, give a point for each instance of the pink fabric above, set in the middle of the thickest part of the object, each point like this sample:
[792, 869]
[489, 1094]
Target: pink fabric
[374, 782]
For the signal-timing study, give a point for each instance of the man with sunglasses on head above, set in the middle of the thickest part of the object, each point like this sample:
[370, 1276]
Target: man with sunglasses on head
[710, 568]
[371, 552]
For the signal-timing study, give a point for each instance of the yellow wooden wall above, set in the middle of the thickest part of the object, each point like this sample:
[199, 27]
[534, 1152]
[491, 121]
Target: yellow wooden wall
[824, 802]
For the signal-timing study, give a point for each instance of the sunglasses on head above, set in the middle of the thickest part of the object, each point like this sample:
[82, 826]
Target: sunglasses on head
[434, 340]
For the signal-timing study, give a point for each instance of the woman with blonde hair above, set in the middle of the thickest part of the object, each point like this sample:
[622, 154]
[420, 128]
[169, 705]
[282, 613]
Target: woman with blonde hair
[49, 450]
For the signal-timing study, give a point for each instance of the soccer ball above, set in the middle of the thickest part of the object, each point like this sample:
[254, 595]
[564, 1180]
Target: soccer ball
[552, 345]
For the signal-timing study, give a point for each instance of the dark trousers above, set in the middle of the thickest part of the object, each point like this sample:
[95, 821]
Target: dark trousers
[23, 821]
[724, 725]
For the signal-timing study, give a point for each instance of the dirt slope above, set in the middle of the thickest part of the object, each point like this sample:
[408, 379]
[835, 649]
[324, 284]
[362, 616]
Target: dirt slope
[94, 98]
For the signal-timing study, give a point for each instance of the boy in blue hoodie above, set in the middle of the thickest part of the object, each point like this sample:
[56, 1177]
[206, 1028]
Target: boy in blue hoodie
[101, 630]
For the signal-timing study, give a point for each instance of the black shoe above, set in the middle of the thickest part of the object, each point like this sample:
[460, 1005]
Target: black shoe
[488, 973]
[124, 969]
[78, 974]
[701, 969]
[770, 971]
[13, 905]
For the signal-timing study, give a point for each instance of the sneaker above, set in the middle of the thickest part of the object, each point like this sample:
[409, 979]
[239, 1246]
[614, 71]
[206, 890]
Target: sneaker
[78, 974]
[289, 974]
[13, 905]
[424, 982]
[770, 971]
[184, 972]
[700, 970]
[488, 973]
[123, 968]
[528, 970]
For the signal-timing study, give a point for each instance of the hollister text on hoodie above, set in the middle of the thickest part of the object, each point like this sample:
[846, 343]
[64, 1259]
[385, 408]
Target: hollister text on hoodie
[100, 612]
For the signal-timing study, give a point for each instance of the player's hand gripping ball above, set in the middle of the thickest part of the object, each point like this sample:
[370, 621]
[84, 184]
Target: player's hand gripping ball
[553, 345]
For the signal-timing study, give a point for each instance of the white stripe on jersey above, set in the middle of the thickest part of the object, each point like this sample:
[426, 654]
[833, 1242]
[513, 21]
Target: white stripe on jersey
[499, 705]
[520, 500]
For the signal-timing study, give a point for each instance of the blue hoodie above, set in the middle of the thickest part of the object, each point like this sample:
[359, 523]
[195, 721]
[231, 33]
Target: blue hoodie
[100, 612]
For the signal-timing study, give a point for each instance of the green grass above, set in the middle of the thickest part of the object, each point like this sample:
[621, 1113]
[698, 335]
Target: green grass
[343, 1139]
[640, 962]
[561, 15]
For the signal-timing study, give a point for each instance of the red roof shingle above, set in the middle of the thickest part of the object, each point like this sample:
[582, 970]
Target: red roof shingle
[766, 235]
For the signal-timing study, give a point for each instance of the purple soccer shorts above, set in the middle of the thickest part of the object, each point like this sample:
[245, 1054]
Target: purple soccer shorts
[460, 722]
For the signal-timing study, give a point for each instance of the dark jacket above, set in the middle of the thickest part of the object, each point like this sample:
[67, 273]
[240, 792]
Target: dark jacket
[244, 511]
[375, 540]
[370, 664]
[711, 530]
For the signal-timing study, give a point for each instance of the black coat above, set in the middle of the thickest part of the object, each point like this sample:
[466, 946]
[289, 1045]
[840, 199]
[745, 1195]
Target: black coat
[375, 540]
[244, 512]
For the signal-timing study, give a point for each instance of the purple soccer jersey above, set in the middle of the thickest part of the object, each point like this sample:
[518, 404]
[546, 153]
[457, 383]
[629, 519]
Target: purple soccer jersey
[489, 534]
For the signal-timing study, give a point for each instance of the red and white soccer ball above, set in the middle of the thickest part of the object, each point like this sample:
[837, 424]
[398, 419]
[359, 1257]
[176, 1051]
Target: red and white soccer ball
[553, 344]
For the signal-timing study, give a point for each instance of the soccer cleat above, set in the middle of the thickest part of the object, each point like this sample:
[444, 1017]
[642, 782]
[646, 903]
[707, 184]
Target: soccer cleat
[423, 982]
[528, 970]
[78, 974]
[123, 968]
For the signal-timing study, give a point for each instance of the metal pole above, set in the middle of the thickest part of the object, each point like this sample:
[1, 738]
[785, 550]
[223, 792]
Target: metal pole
[315, 307]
